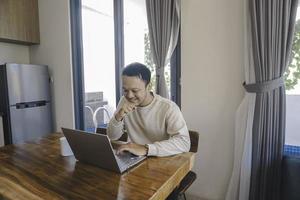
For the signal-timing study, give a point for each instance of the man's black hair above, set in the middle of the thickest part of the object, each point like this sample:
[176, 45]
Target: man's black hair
[139, 70]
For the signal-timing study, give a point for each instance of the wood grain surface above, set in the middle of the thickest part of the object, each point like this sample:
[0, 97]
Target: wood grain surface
[36, 170]
[19, 21]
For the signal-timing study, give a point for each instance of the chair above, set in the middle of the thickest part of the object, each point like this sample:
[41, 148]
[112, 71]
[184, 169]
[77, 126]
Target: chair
[98, 116]
[123, 138]
[88, 119]
[191, 176]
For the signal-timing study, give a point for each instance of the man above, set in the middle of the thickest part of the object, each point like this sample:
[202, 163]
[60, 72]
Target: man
[155, 125]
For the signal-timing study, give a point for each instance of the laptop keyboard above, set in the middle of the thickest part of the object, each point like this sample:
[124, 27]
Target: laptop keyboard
[127, 159]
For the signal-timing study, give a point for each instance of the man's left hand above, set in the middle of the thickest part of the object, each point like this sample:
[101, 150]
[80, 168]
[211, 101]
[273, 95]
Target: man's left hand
[136, 149]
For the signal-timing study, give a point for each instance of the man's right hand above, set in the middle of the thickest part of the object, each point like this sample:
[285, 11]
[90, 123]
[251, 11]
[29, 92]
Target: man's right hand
[124, 110]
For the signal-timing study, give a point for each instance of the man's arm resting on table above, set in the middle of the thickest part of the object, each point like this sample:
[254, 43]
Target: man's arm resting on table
[175, 145]
[136, 149]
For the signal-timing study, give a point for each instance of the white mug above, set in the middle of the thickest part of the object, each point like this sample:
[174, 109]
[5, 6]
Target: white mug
[65, 149]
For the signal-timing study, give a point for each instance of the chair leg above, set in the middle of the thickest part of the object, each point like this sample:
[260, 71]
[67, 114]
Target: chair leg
[174, 195]
[184, 196]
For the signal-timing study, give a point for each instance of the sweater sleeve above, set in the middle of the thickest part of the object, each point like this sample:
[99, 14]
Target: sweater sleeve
[115, 128]
[179, 140]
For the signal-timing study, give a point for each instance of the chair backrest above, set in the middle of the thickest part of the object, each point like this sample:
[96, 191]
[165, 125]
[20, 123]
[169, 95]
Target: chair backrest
[194, 137]
[88, 118]
[101, 131]
[123, 138]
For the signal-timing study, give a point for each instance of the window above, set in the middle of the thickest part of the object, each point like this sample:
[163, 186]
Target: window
[292, 81]
[99, 62]
[136, 38]
[106, 36]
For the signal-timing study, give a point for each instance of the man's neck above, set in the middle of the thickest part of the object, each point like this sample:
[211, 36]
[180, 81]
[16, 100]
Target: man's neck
[149, 98]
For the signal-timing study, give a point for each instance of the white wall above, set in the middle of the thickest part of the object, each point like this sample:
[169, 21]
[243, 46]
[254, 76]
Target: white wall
[212, 61]
[292, 136]
[13, 53]
[55, 51]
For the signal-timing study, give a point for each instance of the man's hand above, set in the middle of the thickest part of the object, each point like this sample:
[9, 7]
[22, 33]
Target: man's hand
[126, 108]
[136, 149]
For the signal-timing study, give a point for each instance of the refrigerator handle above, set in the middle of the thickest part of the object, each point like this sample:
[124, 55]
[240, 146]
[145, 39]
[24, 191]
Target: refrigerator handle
[30, 104]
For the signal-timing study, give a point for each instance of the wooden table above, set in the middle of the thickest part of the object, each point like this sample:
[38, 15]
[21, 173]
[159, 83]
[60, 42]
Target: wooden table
[36, 170]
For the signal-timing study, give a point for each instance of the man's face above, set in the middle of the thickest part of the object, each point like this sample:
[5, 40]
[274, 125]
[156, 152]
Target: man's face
[134, 89]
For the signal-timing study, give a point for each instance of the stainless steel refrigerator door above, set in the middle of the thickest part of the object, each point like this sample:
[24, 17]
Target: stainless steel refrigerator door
[28, 124]
[27, 83]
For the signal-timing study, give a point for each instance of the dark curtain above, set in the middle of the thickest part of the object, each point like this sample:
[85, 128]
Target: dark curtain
[163, 22]
[272, 25]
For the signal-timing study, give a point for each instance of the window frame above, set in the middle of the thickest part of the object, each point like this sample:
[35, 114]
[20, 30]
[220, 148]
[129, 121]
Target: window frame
[291, 149]
[77, 62]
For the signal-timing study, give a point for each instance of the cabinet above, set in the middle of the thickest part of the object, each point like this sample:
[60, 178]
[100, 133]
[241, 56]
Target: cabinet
[19, 21]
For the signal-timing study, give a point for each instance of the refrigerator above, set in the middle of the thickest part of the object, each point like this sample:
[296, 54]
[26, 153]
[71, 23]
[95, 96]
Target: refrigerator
[25, 102]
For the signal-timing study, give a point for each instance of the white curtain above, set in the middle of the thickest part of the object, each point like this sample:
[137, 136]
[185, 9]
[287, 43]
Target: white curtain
[239, 185]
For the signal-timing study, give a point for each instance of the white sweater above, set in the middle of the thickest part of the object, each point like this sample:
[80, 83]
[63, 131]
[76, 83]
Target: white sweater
[159, 124]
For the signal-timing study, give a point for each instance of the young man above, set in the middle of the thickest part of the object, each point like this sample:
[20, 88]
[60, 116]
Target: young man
[155, 125]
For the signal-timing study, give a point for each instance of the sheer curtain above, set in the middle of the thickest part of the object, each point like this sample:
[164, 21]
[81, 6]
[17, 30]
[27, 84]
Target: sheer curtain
[163, 22]
[239, 185]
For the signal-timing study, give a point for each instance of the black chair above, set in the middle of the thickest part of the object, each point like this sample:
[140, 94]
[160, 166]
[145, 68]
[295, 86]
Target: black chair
[191, 176]
[123, 138]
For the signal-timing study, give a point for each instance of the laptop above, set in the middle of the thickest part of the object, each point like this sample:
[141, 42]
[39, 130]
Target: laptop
[96, 149]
